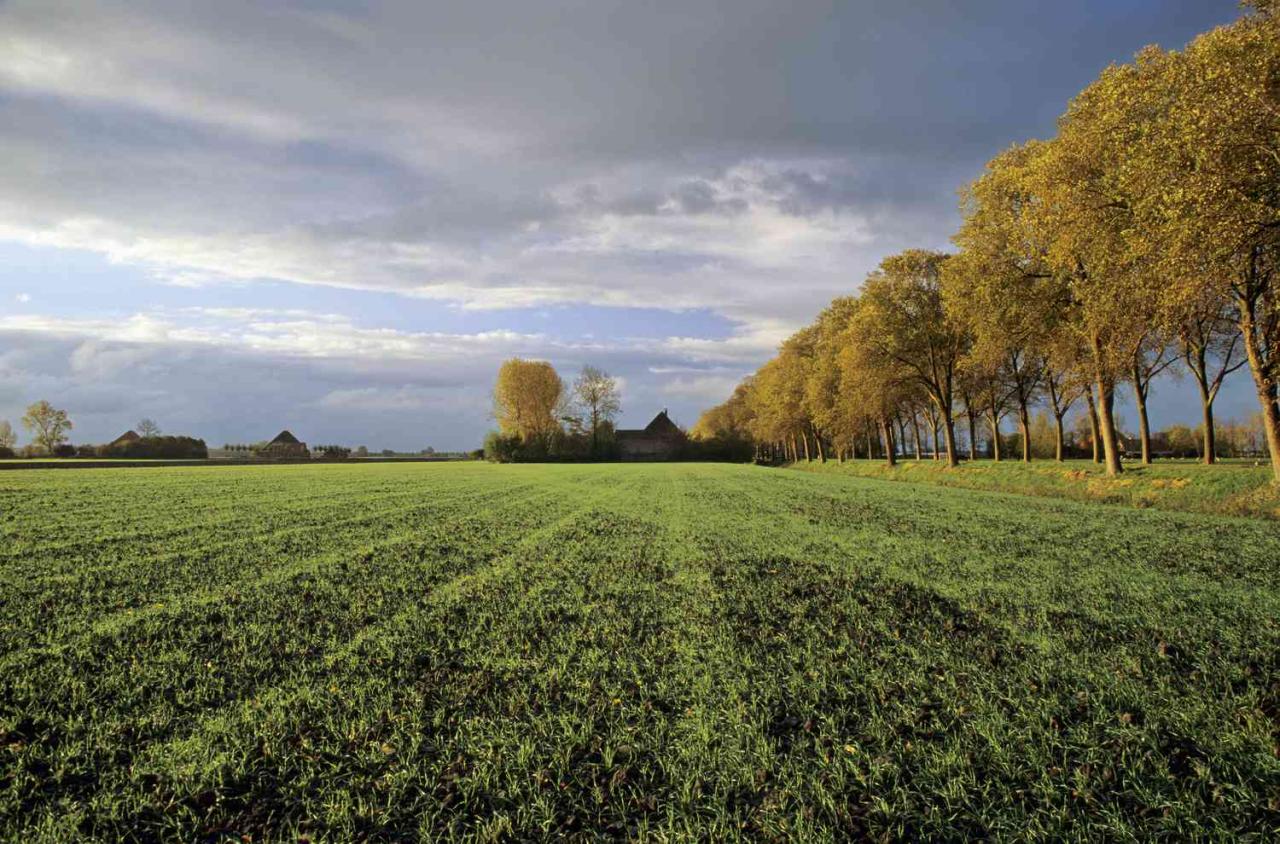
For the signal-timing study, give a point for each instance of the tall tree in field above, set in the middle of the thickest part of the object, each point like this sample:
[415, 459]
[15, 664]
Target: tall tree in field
[1210, 343]
[778, 400]
[148, 428]
[1064, 384]
[1152, 354]
[730, 421]
[824, 403]
[1001, 288]
[994, 397]
[797, 359]
[7, 438]
[1083, 212]
[872, 380]
[1211, 178]
[903, 298]
[527, 399]
[969, 391]
[597, 393]
[47, 424]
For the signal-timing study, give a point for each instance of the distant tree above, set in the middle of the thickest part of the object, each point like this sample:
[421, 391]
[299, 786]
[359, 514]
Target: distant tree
[47, 424]
[8, 439]
[1044, 435]
[597, 393]
[1182, 440]
[362, 451]
[148, 428]
[528, 399]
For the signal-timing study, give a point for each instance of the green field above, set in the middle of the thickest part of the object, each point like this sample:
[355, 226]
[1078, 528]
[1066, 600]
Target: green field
[670, 652]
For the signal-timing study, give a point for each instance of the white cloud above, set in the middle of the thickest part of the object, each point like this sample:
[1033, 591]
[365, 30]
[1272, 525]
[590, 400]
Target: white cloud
[707, 389]
[22, 298]
[231, 367]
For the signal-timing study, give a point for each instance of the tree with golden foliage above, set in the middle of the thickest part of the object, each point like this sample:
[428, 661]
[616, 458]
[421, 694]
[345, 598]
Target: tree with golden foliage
[1082, 213]
[1001, 288]
[1210, 175]
[527, 399]
[901, 317]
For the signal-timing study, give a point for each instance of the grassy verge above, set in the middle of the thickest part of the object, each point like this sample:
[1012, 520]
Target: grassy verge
[1232, 488]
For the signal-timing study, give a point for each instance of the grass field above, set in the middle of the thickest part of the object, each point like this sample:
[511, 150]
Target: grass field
[1239, 488]
[670, 652]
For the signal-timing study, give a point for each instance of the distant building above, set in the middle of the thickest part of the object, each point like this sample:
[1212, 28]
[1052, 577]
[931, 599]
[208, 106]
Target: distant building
[285, 447]
[661, 439]
[126, 437]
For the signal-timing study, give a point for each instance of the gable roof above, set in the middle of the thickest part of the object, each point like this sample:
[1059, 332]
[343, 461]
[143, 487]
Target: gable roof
[126, 437]
[663, 425]
[284, 438]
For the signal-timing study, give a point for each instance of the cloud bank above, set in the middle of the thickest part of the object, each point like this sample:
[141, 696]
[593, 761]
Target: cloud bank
[749, 159]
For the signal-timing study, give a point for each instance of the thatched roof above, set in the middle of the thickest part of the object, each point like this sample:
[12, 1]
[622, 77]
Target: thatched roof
[285, 438]
[126, 437]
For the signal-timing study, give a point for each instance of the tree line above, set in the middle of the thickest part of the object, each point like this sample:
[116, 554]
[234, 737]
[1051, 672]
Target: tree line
[1145, 234]
[48, 427]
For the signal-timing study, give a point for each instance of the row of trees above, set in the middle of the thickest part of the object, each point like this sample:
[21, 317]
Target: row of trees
[540, 417]
[48, 427]
[1147, 231]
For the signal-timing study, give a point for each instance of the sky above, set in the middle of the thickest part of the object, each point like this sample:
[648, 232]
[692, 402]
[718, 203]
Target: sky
[340, 217]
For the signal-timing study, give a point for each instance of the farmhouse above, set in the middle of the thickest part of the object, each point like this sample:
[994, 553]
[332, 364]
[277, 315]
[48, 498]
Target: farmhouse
[285, 447]
[127, 437]
[661, 439]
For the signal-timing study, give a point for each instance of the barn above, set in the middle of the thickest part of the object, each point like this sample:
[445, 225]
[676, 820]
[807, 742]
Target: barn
[661, 439]
[285, 447]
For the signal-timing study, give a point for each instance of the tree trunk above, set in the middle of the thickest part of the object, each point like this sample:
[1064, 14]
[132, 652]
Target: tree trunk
[822, 454]
[870, 450]
[1093, 425]
[1060, 445]
[1024, 422]
[949, 431]
[1197, 363]
[1144, 426]
[1210, 436]
[995, 435]
[886, 431]
[973, 433]
[1106, 416]
[1266, 383]
[915, 433]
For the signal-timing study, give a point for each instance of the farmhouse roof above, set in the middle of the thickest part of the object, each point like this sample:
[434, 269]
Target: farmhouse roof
[126, 437]
[285, 438]
[663, 425]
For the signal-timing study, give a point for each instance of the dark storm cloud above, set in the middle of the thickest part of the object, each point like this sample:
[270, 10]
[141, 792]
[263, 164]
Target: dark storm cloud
[750, 158]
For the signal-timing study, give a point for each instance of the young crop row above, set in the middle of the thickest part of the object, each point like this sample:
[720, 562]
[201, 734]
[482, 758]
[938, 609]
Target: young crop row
[689, 651]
